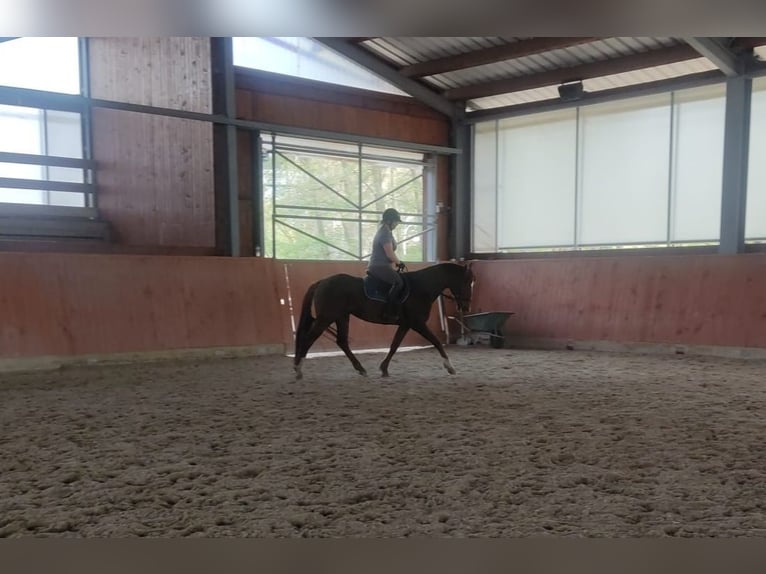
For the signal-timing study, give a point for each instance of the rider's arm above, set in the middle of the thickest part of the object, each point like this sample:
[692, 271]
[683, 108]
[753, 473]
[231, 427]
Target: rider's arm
[389, 249]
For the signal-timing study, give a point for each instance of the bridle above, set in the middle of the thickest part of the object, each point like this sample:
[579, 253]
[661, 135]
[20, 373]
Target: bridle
[460, 301]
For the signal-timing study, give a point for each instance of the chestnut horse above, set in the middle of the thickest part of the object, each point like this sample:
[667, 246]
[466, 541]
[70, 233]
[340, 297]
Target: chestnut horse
[337, 297]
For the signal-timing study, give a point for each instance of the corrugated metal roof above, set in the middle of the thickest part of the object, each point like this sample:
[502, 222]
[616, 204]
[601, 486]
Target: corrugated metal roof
[653, 74]
[407, 51]
[561, 58]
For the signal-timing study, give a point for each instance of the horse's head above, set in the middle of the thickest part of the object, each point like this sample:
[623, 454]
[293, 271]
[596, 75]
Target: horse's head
[462, 290]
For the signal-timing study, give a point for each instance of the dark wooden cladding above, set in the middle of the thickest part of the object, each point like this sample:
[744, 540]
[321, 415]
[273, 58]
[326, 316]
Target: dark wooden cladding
[155, 178]
[302, 103]
[167, 72]
[282, 85]
[686, 299]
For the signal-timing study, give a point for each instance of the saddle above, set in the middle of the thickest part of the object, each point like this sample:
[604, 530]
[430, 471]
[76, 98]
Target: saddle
[377, 290]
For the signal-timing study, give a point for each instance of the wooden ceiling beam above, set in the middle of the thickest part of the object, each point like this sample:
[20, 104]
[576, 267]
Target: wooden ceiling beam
[629, 63]
[483, 56]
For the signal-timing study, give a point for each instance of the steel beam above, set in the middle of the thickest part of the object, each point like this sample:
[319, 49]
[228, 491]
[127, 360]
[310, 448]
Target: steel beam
[380, 68]
[460, 192]
[735, 162]
[225, 149]
[72, 103]
[714, 50]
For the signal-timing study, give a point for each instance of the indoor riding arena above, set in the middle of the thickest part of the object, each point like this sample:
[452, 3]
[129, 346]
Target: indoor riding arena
[166, 206]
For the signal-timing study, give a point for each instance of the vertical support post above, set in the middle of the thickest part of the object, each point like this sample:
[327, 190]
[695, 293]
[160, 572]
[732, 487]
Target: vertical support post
[460, 191]
[225, 149]
[256, 190]
[430, 239]
[359, 212]
[86, 118]
[735, 161]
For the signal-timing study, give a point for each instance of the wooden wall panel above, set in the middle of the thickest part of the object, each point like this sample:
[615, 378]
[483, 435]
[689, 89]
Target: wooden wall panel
[685, 299]
[155, 178]
[74, 304]
[363, 335]
[302, 103]
[167, 72]
[154, 174]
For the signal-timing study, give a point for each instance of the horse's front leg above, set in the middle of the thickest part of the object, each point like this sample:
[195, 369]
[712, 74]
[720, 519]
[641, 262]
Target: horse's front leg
[342, 340]
[423, 329]
[398, 337]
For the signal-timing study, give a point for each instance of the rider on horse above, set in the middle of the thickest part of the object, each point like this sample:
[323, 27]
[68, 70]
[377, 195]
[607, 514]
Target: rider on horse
[384, 264]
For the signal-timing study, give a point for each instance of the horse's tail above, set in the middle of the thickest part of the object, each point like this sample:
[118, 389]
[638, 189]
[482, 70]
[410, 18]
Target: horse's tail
[306, 319]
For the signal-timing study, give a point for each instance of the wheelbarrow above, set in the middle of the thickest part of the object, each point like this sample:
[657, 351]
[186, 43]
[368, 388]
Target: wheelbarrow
[476, 326]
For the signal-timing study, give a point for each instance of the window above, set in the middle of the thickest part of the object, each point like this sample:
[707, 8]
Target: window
[305, 58]
[624, 172]
[644, 171]
[536, 175]
[697, 170]
[323, 200]
[29, 135]
[49, 64]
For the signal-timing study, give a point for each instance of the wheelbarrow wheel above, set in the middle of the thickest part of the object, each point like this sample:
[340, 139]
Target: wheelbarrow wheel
[497, 338]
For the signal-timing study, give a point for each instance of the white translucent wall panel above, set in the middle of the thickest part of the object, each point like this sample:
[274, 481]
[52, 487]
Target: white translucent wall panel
[625, 150]
[755, 221]
[21, 131]
[305, 58]
[484, 210]
[536, 179]
[699, 116]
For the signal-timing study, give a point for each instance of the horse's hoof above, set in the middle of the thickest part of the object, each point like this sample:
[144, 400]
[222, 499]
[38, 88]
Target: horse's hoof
[363, 373]
[452, 371]
[298, 376]
[384, 374]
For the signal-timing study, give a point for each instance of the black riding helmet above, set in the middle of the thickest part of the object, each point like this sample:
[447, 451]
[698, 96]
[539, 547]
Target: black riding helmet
[390, 215]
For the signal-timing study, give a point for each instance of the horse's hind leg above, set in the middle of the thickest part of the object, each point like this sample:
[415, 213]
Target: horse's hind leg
[308, 339]
[423, 329]
[398, 337]
[342, 339]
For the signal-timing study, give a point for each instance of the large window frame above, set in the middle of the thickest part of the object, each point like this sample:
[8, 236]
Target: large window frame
[59, 175]
[355, 208]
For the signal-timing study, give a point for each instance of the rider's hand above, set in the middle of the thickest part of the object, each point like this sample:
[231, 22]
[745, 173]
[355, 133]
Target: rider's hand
[401, 266]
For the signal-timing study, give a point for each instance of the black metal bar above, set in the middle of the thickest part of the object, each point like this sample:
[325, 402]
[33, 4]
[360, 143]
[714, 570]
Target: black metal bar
[47, 160]
[40, 184]
[52, 211]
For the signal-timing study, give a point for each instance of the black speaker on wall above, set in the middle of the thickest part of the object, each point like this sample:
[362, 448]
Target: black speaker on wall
[571, 91]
